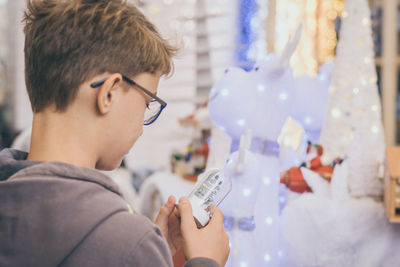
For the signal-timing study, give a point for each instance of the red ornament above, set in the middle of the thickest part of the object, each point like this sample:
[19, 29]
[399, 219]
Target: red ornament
[293, 178]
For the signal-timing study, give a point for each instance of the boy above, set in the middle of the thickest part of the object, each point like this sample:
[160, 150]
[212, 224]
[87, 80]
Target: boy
[92, 70]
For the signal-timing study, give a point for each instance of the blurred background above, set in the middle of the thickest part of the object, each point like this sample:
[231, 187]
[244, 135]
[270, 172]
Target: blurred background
[214, 35]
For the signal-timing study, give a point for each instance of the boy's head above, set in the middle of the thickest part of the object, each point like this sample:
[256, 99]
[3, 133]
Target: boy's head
[69, 44]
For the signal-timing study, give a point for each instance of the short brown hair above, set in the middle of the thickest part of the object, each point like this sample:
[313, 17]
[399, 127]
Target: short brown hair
[68, 42]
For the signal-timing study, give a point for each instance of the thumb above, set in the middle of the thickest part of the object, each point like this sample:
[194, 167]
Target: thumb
[217, 215]
[185, 211]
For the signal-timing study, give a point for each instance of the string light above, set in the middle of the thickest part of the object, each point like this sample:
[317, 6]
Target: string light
[261, 88]
[375, 129]
[364, 82]
[366, 21]
[224, 92]
[246, 192]
[283, 96]
[267, 257]
[241, 122]
[307, 120]
[336, 113]
[267, 180]
[318, 39]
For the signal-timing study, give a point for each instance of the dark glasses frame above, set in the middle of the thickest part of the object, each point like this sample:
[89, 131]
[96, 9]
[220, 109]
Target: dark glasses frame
[163, 104]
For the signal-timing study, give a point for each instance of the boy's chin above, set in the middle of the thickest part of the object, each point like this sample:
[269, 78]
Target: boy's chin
[108, 165]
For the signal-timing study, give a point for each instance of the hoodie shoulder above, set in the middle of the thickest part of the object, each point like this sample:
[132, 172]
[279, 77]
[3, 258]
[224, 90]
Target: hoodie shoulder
[57, 205]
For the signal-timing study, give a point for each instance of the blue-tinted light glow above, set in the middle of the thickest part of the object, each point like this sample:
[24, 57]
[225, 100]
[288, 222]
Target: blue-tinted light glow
[241, 122]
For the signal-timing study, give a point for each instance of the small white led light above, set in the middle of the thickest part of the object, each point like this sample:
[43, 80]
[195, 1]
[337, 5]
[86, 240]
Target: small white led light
[269, 220]
[241, 122]
[267, 180]
[267, 257]
[283, 96]
[261, 88]
[365, 21]
[307, 120]
[224, 92]
[246, 192]
[336, 113]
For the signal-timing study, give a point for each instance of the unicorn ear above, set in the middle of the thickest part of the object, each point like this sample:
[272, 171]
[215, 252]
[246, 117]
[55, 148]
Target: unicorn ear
[290, 47]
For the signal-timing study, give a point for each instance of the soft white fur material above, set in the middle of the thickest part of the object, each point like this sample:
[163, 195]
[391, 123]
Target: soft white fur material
[331, 228]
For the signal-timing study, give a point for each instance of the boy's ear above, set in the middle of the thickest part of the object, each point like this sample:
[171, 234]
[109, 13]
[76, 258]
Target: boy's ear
[107, 93]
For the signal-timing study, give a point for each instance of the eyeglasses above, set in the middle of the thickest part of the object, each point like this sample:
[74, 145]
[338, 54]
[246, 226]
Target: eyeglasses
[155, 106]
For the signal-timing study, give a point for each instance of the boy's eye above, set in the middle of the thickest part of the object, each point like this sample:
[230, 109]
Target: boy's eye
[150, 102]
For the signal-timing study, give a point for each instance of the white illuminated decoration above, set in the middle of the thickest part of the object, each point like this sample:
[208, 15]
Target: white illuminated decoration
[355, 125]
[261, 112]
[241, 207]
[311, 96]
[259, 100]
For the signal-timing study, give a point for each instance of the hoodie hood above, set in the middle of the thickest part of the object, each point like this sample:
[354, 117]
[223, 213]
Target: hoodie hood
[12, 161]
[48, 208]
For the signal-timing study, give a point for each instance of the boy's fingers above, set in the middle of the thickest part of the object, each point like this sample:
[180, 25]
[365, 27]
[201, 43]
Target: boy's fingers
[185, 211]
[166, 210]
[170, 204]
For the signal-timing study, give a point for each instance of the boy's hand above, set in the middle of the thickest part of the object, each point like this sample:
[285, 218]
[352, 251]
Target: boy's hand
[168, 222]
[211, 241]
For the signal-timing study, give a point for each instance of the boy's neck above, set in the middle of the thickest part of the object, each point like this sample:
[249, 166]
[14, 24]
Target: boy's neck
[59, 137]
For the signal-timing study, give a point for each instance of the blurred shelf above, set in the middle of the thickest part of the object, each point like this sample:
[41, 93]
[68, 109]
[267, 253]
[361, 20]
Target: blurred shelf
[378, 61]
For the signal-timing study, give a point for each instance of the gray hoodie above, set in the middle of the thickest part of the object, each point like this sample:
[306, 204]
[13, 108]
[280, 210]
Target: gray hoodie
[58, 214]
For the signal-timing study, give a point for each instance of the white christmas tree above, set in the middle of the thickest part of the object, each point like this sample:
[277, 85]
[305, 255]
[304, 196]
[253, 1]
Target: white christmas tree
[353, 126]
